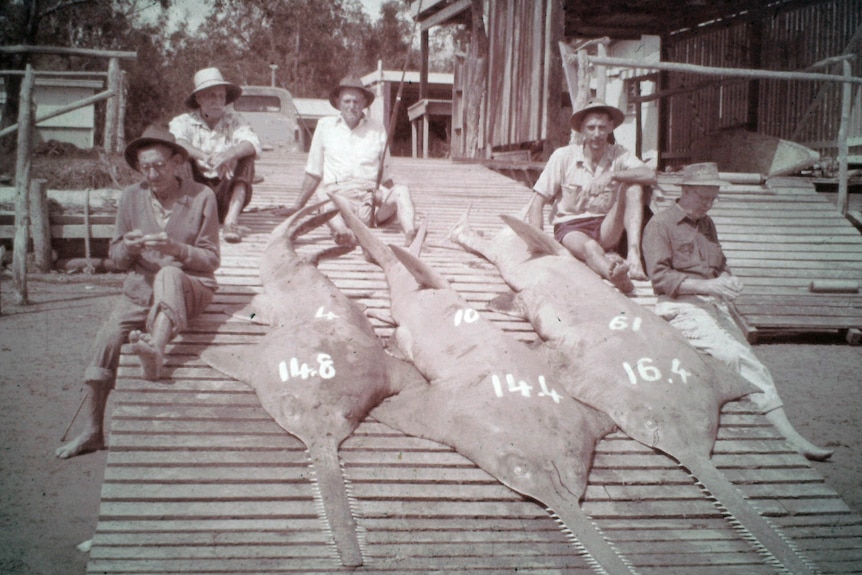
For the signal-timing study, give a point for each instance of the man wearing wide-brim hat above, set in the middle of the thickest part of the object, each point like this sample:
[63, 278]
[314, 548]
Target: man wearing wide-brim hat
[349, 156]
[596, 189]
[166, 239]
[696, 291]
[221, 145]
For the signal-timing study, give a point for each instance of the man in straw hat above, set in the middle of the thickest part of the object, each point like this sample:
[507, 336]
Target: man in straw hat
[166, 238]
[596, 191]
[221, 145]
[346, 156]
[695, 289]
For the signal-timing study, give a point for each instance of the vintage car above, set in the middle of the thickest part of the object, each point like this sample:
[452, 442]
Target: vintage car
[273, 116]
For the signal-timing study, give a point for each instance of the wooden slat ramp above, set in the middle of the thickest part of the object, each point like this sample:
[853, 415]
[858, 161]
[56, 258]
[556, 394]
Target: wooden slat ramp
[199, 479]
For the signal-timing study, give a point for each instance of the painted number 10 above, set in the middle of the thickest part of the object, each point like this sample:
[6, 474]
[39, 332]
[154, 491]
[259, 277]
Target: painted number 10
[467, 315]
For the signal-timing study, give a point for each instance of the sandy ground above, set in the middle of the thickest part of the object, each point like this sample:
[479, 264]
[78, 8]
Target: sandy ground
[49, 506]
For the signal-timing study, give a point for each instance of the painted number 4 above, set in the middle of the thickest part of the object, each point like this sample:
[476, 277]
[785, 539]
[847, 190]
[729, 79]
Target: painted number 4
[522, 387]
[323, 314]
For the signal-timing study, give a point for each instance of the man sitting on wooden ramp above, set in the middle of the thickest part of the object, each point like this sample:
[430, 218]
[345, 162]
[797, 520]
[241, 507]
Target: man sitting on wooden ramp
[597, 193]
[696, 290]
[349, 156]
[166, 236]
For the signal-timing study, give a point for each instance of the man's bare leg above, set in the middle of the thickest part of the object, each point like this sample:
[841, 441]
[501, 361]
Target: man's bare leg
[633, 222]
[609, 266]
[463, 235]
[400, 202]
[92, 438]
[231, 226]
[150, 347]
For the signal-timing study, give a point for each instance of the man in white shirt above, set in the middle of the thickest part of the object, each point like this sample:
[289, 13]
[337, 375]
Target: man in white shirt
[346, 157]
[221, 146]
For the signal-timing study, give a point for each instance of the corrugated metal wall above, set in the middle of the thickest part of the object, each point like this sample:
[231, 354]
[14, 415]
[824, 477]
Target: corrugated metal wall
[803, 111]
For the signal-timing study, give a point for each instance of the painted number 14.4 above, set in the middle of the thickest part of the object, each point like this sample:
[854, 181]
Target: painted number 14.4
[525, 389]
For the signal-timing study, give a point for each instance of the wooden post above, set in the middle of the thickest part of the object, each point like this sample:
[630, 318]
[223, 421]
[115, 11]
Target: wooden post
[22, 185]
[111, 107]
[846, 97]
[601, 73]
[40, 228]
[121, 115]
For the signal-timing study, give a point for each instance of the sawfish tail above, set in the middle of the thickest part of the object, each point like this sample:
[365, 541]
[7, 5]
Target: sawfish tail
[335, 503]
[585, 535]
[763, 535]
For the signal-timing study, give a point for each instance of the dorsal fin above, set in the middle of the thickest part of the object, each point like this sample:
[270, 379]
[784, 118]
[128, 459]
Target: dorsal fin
[537, 241]
[366, 238]
[312, 223]
[288, 226]
[329, 253]
[424, 274]
[419, 239]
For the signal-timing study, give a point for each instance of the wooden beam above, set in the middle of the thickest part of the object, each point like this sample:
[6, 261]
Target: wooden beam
[445, 14]
[40, 228]
[843, 149]
[111, 107]
[65, 51]
[63, 110]
[714, 71]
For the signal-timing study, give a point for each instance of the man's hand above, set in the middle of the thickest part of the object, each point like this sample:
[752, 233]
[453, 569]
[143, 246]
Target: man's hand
[220, 162]
[163, 244]
[727, 286]
[133, 241]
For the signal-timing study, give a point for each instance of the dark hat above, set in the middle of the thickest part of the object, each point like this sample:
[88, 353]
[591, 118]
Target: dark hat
[350, 82]
[208, 78]
[153, 134]
[616, 114]
[702, 174]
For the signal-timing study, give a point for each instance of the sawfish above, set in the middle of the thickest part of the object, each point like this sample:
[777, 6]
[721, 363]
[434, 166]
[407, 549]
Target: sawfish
[638, 369]
[489, 396]
[319, 370]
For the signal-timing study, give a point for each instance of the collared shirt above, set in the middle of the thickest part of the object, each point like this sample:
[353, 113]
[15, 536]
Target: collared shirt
[193, 221]
[677, 247]
[568, 174]
[231, 130]
[347, 159]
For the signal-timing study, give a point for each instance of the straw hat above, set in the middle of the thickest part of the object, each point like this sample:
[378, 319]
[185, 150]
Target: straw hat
[208, 78]
[350, 82]
[702, 174]
[616, 114]
[153, 134]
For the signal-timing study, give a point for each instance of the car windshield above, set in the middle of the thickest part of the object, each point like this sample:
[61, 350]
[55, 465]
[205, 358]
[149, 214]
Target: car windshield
[250, 103]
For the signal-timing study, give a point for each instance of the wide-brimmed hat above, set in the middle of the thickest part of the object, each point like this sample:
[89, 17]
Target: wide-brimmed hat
[616, 114]
[702, 174]
[350, 82]
[208, 78]
[153, 134]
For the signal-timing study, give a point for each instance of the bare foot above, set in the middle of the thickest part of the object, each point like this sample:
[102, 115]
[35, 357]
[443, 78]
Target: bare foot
[84, 443]
[636, 270]
[462, 234]
[151, 356]
[409, 237]
[618, 274]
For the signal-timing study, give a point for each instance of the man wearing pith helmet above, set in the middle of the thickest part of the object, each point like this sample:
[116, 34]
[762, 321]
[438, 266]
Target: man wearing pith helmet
[221, 145]
[596, 190]
[349, 156]
[696, 292]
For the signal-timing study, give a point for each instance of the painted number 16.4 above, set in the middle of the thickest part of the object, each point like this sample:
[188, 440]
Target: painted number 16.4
[643, 370]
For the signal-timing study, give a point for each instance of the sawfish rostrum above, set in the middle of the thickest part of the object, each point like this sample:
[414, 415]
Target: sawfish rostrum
[319, 370]
[490, 397]
[634, 366]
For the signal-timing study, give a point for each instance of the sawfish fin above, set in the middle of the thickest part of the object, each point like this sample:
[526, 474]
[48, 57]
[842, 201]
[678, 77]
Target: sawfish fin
[258, 310]
[509, 304]
[288, 227]
[731, 385]
[232, 360]
[329, 253]
[403, 374]
[537, 241]
[424, 274]
[416, 245]
[375, 248]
